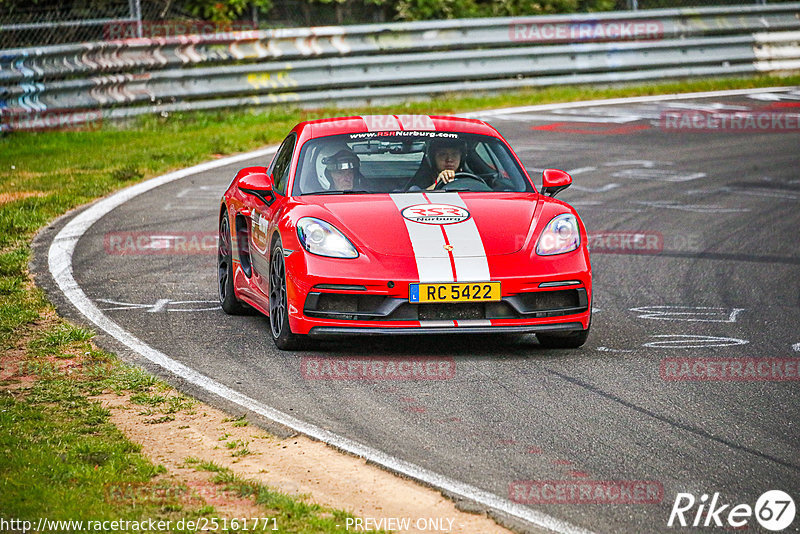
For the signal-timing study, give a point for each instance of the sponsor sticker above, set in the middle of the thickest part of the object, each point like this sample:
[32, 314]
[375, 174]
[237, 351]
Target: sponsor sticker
[435, 214]
[259, 227]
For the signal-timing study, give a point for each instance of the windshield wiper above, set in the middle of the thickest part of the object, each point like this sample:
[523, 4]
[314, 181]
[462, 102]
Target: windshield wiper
[345, 192]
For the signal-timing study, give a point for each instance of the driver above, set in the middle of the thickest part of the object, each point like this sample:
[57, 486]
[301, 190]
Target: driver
[447, 158]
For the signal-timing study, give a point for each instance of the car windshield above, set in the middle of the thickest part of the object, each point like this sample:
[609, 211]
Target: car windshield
[391, 162]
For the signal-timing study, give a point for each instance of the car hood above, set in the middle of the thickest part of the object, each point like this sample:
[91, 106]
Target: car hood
[421, 225]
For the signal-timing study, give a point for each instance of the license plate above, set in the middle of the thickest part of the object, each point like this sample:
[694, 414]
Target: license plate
[454, 292]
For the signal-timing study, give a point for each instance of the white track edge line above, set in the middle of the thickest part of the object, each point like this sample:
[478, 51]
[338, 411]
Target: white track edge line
[60, 265]
[623, 100]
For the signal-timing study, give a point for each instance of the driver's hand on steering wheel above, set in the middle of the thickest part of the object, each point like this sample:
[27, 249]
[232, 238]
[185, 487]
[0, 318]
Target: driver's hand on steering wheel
[445, 177]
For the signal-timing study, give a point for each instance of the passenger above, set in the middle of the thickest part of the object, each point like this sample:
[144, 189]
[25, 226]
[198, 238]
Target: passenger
[342, 169]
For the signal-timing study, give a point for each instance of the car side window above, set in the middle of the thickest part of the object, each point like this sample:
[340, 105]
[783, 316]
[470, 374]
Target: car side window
[281, 165]
[483, 152]
[493, 162]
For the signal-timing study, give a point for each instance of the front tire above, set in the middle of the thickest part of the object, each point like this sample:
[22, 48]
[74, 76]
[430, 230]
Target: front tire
[227, 297]
[278, 308]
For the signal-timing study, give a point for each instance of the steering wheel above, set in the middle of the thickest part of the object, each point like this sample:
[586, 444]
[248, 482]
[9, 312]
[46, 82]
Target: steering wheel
[462, 175]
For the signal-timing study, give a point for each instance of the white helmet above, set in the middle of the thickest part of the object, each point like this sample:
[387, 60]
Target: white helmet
[335, 157]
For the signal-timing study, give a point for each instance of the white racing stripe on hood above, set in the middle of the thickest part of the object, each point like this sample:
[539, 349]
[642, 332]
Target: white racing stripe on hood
[427, 241]
[468, 251]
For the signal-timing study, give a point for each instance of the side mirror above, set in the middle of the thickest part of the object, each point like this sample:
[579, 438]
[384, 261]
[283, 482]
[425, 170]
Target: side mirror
[255, 181]
[555, 181]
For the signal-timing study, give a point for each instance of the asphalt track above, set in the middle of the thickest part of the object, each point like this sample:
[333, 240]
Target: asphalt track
[718, 277]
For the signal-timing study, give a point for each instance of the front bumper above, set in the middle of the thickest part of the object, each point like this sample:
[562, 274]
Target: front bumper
[332, 331]
[329, 313]
[365, 307]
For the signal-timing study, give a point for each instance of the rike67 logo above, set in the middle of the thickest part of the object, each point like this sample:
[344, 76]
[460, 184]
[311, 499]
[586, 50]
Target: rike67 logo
[774, 510]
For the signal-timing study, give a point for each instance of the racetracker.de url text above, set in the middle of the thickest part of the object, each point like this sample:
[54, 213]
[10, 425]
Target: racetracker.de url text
[251, 524]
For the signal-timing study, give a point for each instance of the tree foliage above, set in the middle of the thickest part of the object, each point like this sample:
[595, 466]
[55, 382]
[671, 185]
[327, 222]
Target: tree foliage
[455, 9]
[272, 13]
[225, 10]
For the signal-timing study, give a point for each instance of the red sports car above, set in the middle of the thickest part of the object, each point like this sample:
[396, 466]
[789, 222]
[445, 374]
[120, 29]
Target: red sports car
[395, 224]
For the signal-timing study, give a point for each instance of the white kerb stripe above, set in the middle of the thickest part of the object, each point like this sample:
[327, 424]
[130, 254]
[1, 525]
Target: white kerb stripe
[468, 251]
[427, 241]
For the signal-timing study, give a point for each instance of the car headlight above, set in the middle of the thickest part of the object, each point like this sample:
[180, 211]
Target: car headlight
[559, 236]
[319, 237]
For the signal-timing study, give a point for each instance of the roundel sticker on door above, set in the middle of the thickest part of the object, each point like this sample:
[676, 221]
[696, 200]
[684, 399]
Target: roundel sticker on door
[259, 232]
[435, 214]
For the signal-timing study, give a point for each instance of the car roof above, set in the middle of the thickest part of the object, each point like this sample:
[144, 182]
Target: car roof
[375, 123]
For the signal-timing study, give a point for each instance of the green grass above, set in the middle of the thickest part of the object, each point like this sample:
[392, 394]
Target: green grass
[291, 514]
[58, 452]
[61, 458]
[62, 455]
[62, 335]
[238, 421]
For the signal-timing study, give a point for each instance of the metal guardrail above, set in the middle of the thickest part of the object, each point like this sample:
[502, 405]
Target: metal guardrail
[367, 62]
[291, 44]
